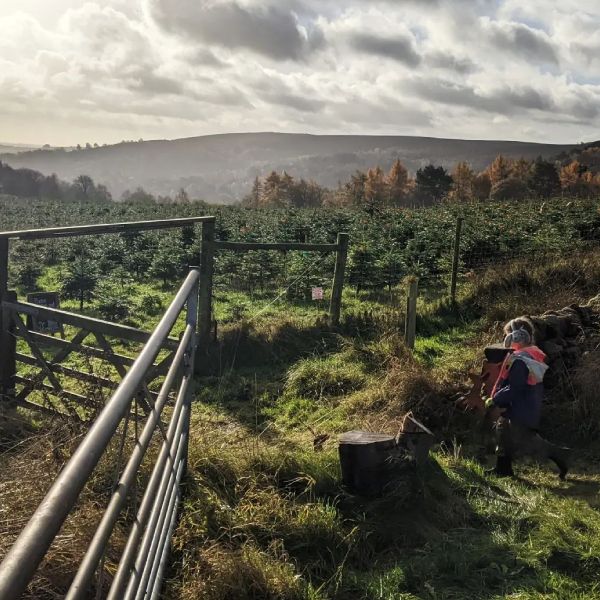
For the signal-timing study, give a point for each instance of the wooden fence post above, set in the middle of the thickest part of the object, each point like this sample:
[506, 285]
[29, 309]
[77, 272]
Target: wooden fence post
[455, 259]
[410, 327]
[205, 293]
[7, 340]
[335, 306]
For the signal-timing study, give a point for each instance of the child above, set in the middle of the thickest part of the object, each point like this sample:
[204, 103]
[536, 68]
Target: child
[519, 392]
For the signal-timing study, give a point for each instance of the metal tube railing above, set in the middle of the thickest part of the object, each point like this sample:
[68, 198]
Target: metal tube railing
[150, 496]
[87, 568]
[154, 531]
[23, 559]
[165, 536]
[154, 592]
[168, 511]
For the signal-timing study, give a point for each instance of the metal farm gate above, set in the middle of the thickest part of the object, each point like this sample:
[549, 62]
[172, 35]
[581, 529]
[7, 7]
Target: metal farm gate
[165, 360]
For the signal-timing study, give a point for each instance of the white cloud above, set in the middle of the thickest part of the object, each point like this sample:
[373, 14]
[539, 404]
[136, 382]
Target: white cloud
[169, 68]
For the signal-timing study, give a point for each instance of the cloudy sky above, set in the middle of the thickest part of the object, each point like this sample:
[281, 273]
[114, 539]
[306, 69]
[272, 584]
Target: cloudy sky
[74, 71]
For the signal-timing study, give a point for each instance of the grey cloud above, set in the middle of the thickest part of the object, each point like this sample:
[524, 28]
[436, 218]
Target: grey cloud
[268, 30]
[445, 92]
[523, 41]
[274, 90]
[149, 82]
[319, 7]
[588, 51]
[445, 60]
[384, 110]
[504, 100]
[584, 106]
[204, 56]
[399, 48]
[295, 101]
[526, 97]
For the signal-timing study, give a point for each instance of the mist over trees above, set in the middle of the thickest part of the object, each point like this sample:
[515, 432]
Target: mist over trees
[372, 190]
[27, 183]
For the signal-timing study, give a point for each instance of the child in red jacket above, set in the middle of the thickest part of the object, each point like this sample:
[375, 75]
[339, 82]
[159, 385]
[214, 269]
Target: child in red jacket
[519, 393]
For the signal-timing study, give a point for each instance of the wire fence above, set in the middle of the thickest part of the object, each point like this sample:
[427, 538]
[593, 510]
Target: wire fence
[384, 250]
[529, 235]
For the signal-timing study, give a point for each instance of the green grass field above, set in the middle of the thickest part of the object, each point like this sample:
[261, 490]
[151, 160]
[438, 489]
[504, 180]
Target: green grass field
[265, 515]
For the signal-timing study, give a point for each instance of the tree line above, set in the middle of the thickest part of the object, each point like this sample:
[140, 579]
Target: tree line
[504, 179]
[27, 183]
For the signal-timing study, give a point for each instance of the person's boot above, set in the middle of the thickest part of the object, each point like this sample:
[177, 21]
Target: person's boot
[560, 457]
[503, 467]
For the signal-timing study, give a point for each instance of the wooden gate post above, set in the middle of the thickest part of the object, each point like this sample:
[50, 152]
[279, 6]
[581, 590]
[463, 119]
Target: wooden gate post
[7, 340]
[455, 259]
[335, 306]
[410, 328]
[207, 266]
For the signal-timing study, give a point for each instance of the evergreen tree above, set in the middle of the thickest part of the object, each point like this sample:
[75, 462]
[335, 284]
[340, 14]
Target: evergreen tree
[168, 262]
[253, 198]
[433, 183]
[482, 186]
[271, 190]
[544, 182]
[510, 188]
[356, 188]
[81, 279]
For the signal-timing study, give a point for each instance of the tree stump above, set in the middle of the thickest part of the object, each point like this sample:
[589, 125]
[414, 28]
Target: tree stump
[365, 460]
[369, 461]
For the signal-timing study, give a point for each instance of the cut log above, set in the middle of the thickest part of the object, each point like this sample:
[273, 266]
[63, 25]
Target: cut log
[365, 459]
[369, 461]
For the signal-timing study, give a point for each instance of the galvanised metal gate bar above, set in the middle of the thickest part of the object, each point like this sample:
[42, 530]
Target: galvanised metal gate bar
[142, 564]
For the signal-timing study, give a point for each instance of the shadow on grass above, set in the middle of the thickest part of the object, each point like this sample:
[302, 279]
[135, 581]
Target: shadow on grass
[422, 537]
[430, 542]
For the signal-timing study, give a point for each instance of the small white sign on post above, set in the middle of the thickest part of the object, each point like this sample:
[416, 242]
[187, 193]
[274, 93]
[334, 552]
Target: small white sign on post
[317, 293]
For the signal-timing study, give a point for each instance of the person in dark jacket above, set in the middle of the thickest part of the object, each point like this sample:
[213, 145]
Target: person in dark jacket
[519, 393]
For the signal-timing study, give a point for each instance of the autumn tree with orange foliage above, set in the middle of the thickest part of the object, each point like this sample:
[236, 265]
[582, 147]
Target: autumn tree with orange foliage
[463, 179]
[499, 169]
[521, 169]
[570, 178]
[375, 190]
[397, 184]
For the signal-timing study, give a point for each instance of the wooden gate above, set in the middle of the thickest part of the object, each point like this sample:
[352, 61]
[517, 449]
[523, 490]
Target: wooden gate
[92, 339]
[46, 358]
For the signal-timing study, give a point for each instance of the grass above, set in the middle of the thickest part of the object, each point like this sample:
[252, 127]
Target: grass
[449, 532]
[265, 515]
[265, 521]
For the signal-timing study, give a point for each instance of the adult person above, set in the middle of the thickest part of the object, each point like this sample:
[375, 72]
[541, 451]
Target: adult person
[519, 393]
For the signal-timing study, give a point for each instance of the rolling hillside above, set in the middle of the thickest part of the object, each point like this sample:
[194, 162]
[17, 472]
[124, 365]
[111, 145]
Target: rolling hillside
[220, 168]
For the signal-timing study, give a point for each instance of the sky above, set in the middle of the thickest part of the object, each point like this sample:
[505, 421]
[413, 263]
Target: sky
[100, 72]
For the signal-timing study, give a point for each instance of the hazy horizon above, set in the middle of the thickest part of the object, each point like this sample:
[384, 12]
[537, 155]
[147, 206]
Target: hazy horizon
[73, 72]
[257, 132]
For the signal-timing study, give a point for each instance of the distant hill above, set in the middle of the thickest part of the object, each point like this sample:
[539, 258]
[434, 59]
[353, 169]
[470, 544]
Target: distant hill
[7, 148]
[221, 168]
